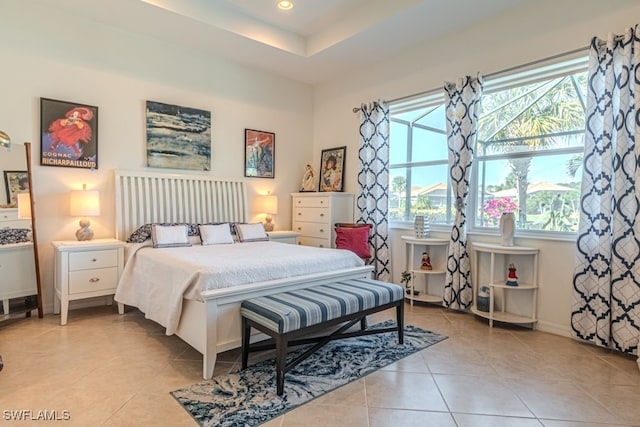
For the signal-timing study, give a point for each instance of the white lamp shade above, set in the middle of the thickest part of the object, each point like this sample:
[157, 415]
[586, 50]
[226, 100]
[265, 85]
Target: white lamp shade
[84, 203]
[24, 206]
[268, 204]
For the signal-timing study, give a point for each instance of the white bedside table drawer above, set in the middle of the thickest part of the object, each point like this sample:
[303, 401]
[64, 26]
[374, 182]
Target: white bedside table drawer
[93, 259]
[92, 280]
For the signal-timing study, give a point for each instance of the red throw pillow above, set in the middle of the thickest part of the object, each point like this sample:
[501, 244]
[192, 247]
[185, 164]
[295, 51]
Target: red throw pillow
[355, 239]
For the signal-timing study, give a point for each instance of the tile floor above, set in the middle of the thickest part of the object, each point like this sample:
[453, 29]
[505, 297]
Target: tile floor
[111, 370]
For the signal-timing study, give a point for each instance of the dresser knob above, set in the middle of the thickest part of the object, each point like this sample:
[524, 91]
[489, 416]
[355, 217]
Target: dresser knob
[321, 214]
[322, 230]
[94, 280]
[299, 213]
[300, 228]
[94, 260]
[321, 246]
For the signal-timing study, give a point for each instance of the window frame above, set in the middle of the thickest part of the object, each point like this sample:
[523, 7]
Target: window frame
[532, 74]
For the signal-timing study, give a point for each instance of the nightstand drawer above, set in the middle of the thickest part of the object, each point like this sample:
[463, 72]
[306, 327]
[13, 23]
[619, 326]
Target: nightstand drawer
[93, 280]
[312, 215]
[93, 259]
[9, 214]
[311, 202]
[313, 229]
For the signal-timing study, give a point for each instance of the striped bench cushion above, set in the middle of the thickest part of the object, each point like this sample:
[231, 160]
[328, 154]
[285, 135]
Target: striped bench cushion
[290, 311]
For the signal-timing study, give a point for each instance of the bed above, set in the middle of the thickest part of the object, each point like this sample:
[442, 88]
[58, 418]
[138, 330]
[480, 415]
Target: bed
[183, 294]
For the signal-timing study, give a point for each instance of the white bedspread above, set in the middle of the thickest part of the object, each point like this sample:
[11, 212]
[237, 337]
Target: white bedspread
[156, 280]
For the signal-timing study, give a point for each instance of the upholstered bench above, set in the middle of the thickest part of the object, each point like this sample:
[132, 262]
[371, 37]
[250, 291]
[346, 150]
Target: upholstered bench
[288, 316]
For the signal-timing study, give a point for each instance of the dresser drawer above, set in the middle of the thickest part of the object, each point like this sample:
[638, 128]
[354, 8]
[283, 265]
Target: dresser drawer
[93, 259]
[314, 241]
[98, 279]
[8, 214]
[312, 215]
[15, 223]
[311, 202]
[313, 229]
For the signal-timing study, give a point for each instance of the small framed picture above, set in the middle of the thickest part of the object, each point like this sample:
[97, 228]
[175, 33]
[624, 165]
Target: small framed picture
[332, 169]
[68, 134]
[15, 182]
[259, 153]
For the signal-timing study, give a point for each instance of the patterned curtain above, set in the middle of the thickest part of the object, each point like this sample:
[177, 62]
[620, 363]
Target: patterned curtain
[462, 103]
[606, 282]
[373, 200]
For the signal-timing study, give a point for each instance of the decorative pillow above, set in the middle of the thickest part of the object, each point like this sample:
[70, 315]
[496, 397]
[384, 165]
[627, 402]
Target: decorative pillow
[170, 236]
[14, 235]
[355, 239]
[251, 232]
[215, 234]
[144, 232]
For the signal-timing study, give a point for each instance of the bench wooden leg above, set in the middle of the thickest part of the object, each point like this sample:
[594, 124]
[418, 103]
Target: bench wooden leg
[363, 323]
[281, 361]
[246, 337]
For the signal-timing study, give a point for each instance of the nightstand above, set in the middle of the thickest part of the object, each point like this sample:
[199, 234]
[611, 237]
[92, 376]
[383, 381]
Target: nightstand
[86, 269]
[283, 236]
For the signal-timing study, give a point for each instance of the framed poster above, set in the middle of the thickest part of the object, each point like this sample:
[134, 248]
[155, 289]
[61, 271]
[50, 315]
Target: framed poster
[69, 134]
[178, 137]
[15, 182]
[332, 169]
[259, 153]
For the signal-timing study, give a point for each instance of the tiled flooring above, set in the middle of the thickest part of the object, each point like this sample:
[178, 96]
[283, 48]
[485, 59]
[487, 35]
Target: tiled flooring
[111, 370]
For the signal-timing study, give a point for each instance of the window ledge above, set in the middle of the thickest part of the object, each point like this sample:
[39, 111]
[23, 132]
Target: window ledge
[523, 234]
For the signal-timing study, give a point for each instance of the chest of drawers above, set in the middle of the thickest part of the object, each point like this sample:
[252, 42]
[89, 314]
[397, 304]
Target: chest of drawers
[314, 215]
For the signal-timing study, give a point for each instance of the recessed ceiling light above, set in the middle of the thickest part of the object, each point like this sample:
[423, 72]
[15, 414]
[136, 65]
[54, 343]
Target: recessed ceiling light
[285, 5]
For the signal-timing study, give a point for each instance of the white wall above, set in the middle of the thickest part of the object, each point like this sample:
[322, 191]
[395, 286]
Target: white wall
[537, 30]
[46, 53]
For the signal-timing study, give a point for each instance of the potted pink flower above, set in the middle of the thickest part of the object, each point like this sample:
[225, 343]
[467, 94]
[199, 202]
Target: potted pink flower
[503, 208]
[496, 207]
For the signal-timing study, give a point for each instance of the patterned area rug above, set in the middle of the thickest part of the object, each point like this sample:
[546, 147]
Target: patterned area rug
[248, 398]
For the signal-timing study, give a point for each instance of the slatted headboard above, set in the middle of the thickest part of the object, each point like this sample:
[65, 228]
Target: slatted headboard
[144, 197]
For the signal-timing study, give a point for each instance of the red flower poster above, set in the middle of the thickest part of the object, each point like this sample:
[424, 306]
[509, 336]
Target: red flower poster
[69, 134]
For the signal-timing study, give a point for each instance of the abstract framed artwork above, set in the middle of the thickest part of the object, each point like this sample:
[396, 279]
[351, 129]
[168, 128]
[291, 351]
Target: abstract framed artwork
[259, 153]
[332, 169]
[178, 137]
[15, 182]
[68, 134]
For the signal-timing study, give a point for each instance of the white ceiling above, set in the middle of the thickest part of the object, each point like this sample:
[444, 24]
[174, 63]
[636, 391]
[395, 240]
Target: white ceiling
[315, 41]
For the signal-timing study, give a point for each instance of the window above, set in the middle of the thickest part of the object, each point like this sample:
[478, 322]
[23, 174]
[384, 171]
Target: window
[527, 159]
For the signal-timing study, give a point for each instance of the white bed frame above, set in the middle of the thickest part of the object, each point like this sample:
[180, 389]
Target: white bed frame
[212, 325]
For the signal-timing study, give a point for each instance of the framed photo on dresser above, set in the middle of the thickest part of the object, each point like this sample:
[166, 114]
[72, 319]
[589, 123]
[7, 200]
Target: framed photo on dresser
[332, 169]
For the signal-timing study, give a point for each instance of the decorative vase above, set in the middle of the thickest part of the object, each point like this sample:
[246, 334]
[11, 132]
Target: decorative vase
[421, 226]
[507, 228]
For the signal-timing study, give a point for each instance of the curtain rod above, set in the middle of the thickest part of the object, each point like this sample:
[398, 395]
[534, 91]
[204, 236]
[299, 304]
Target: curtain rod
[493, 74]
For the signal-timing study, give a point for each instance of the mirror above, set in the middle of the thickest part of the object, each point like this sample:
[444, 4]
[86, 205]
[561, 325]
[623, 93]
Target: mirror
[20, 289]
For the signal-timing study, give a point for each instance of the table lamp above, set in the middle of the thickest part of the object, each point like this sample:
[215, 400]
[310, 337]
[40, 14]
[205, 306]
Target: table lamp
[269, 206]
[84, 203]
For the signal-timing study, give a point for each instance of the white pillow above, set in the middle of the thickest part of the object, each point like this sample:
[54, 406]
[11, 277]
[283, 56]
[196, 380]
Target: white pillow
[169, 236]
[251, 232]
[215, 234]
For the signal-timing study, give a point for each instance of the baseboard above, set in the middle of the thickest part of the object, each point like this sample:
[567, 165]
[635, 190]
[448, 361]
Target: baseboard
[554, 328]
